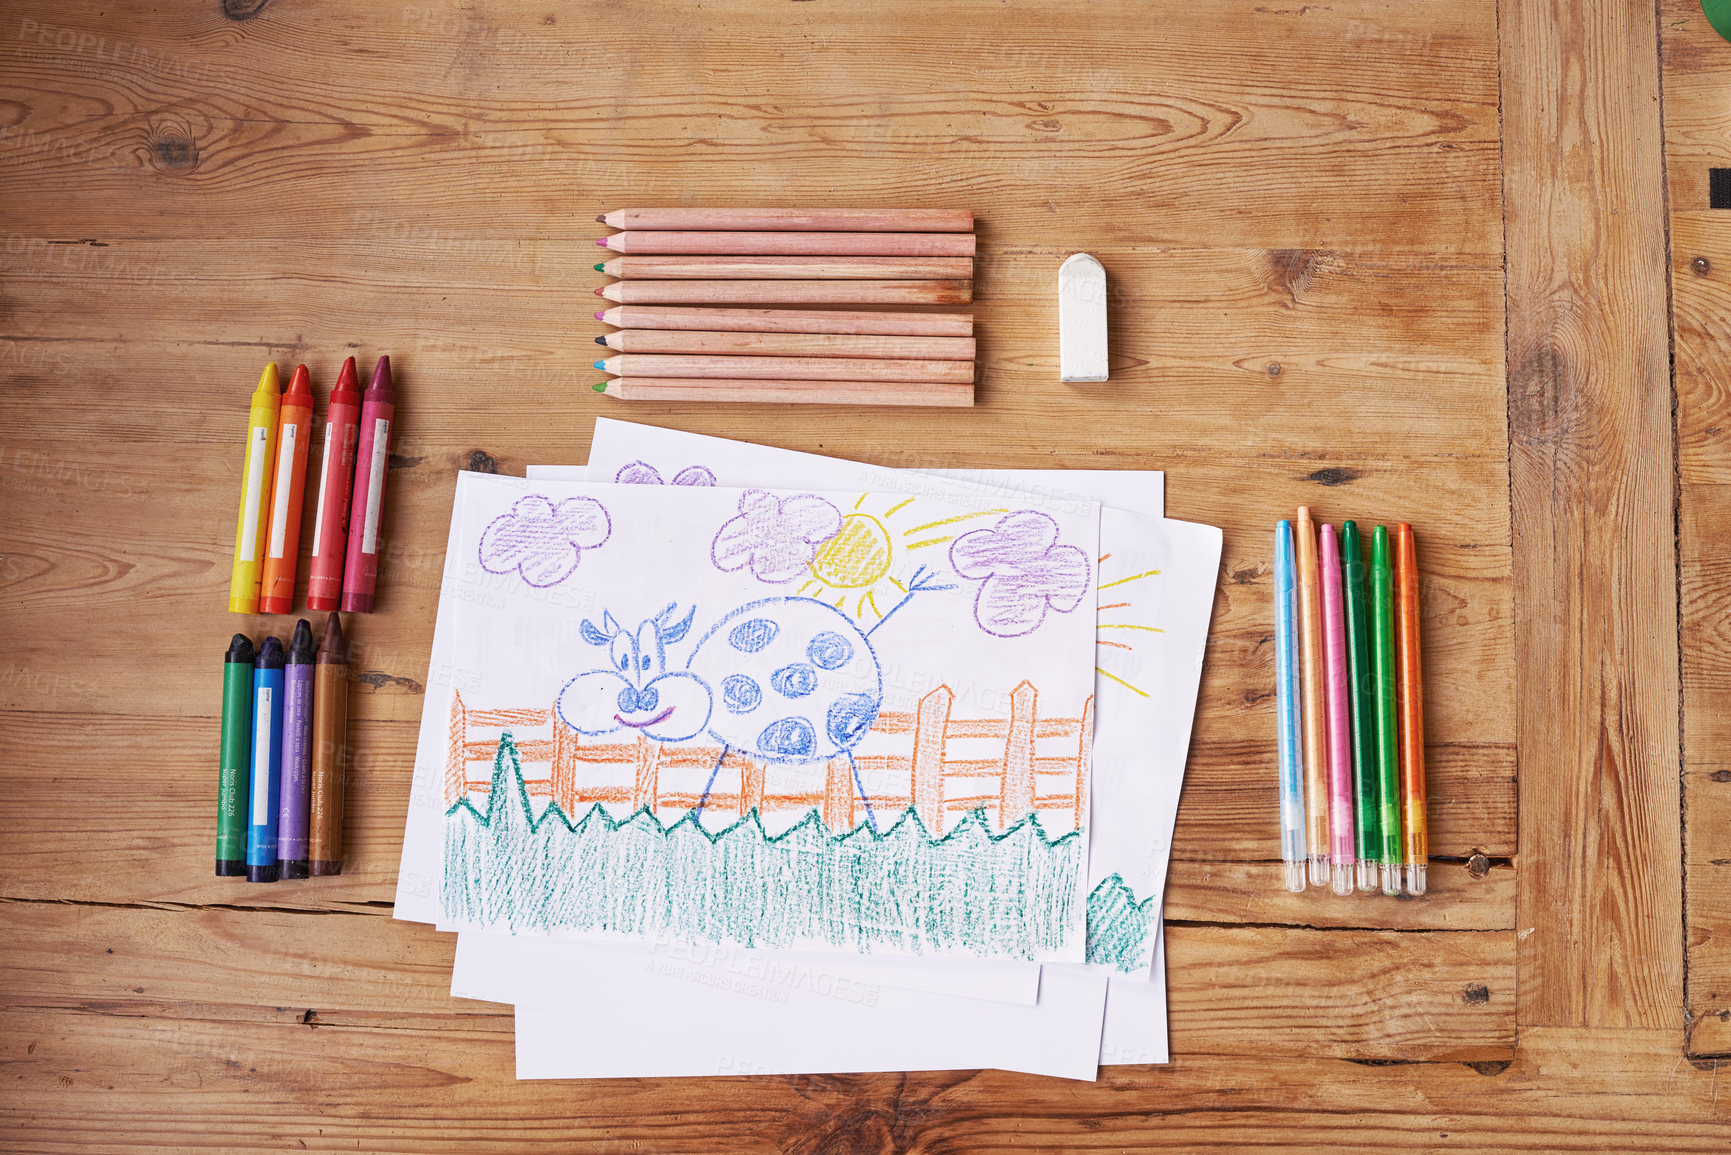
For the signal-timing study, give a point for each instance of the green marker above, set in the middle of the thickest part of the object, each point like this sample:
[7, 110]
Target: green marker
[1387, 738]
[235, 772]
[1367, 794]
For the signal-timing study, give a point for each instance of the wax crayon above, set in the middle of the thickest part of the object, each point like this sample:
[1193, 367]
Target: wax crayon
[330, 749]
[267, 695]
[1341, 835]
[283, 545]
[1367, 804]
[1409, 699]
[1310, 683]
[361, 569]
[1289, 741]
[261, 423]
[336, 486]
[236, 757]
[295, 797]
[1387, 728]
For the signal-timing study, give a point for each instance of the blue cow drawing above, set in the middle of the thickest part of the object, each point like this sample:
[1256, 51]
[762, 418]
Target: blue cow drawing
[789, 680]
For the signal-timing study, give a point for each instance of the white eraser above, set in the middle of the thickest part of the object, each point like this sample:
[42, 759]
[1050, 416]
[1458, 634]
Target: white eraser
[1081, 319]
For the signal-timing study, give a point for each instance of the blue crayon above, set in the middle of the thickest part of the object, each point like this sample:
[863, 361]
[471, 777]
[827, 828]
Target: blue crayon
[267, 711]
[1289, 727]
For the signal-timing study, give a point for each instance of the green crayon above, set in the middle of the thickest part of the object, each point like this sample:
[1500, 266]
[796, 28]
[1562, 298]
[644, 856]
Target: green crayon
[233, 776]
[1366, 787]
[1387, 737]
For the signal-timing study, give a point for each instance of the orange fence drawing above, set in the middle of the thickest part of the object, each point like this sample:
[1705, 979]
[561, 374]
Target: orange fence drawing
[1015, 782]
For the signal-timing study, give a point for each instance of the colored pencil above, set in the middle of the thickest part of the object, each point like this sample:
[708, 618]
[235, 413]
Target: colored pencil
[791, 268]
[786, 368]
[1387, 727]
[687, 242]
[1289, 728]
[795, 220]
[788, 344]
[1310, 681]
[1342, 843]
[1409, 698]
[924, 393]
[788, 292]
[1367, 802]
[789, 321]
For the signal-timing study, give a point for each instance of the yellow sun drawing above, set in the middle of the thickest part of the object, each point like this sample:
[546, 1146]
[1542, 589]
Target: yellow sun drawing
[1108, 643]
[857, 570]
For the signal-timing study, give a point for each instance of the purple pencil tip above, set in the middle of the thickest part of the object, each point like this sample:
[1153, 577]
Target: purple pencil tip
[601, 316]
[602, 241]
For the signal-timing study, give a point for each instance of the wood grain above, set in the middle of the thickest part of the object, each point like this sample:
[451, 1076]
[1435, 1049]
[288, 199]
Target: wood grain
[1590, 465]
[1302, 212]
[1695, 68]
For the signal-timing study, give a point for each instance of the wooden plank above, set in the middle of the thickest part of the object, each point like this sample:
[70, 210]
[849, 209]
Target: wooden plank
[1472, 895]
[1590, 466]
[1115, 108]
[1695, 73]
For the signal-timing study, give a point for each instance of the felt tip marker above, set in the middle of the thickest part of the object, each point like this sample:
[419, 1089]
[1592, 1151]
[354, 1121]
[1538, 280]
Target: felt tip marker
[361, 568]
[1313, 699]
[295, 797]
[267, 710]
[336, 486]
[1409, 702]
[235, 763]
[288, 488]
[249, 531]
[1367, 804]
[1342, 840]
[1382, 661]
[1290, 729]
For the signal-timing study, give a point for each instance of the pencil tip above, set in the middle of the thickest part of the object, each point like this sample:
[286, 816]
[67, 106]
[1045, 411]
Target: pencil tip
[600, 266]
[601, 340]
[602, 219]
[597, 293]
[601, 388]
[602, 316]
[602, 241]
[601, 365]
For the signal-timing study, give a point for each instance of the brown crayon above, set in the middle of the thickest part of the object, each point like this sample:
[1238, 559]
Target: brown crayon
[330, 750]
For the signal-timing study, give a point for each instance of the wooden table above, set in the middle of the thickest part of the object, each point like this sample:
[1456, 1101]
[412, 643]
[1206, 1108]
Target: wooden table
[1422, 261]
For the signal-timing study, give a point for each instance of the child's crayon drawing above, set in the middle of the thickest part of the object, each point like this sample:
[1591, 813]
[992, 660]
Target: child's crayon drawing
[543, 540]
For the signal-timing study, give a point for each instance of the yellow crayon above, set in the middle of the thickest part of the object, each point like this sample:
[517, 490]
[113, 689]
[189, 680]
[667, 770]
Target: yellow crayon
[255, 493]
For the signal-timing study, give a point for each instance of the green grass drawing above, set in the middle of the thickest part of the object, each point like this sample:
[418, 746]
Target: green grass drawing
[971, 891]
[1120, 929]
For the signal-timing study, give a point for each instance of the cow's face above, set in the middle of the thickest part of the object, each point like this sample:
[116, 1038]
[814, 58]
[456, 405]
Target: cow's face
[636, 691]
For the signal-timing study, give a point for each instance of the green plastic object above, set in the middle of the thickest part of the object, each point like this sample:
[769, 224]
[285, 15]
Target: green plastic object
[1718, 14]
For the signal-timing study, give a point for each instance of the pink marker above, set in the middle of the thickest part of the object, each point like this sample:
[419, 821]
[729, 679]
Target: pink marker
[1337, 685]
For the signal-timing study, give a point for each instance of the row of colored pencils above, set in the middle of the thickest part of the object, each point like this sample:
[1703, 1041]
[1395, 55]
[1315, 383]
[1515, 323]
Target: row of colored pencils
[697, 291]
[1351, 708]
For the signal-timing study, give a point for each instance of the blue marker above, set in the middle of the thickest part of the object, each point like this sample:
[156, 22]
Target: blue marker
[1293, 849]
[267, 711]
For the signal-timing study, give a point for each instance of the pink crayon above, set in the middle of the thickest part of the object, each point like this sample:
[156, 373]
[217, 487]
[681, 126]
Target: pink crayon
[1337, 683]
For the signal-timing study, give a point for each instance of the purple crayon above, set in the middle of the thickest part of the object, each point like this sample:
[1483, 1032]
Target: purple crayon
[297, 753]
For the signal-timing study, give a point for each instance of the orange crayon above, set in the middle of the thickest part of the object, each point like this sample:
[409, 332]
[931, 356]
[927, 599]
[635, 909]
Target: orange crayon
[283, 539]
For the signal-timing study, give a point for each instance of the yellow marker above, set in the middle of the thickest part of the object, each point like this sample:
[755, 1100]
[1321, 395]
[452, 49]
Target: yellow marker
[255, 493]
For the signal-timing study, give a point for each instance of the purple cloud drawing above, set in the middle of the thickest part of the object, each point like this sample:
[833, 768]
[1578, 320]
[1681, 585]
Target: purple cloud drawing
[643, 473]
[1022, 571]
[776, 537]
[543, 541]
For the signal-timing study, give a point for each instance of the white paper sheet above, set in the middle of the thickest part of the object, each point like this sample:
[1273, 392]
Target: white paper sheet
[756, 1027]
[633, 566]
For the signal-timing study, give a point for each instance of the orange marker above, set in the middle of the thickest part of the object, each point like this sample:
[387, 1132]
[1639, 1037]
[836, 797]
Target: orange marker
[283, 540]
[1409, 699]
[1311, 696]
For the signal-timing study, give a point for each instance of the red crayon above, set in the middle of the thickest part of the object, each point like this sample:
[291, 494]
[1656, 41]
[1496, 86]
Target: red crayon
[336, 484]
[283, 545]
[361, 571]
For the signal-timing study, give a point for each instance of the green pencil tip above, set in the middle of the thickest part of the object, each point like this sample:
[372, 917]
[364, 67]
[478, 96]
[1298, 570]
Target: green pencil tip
[600, 266]
[601, 388]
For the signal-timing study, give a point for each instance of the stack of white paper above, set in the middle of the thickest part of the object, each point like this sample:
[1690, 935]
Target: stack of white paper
[739, 761]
